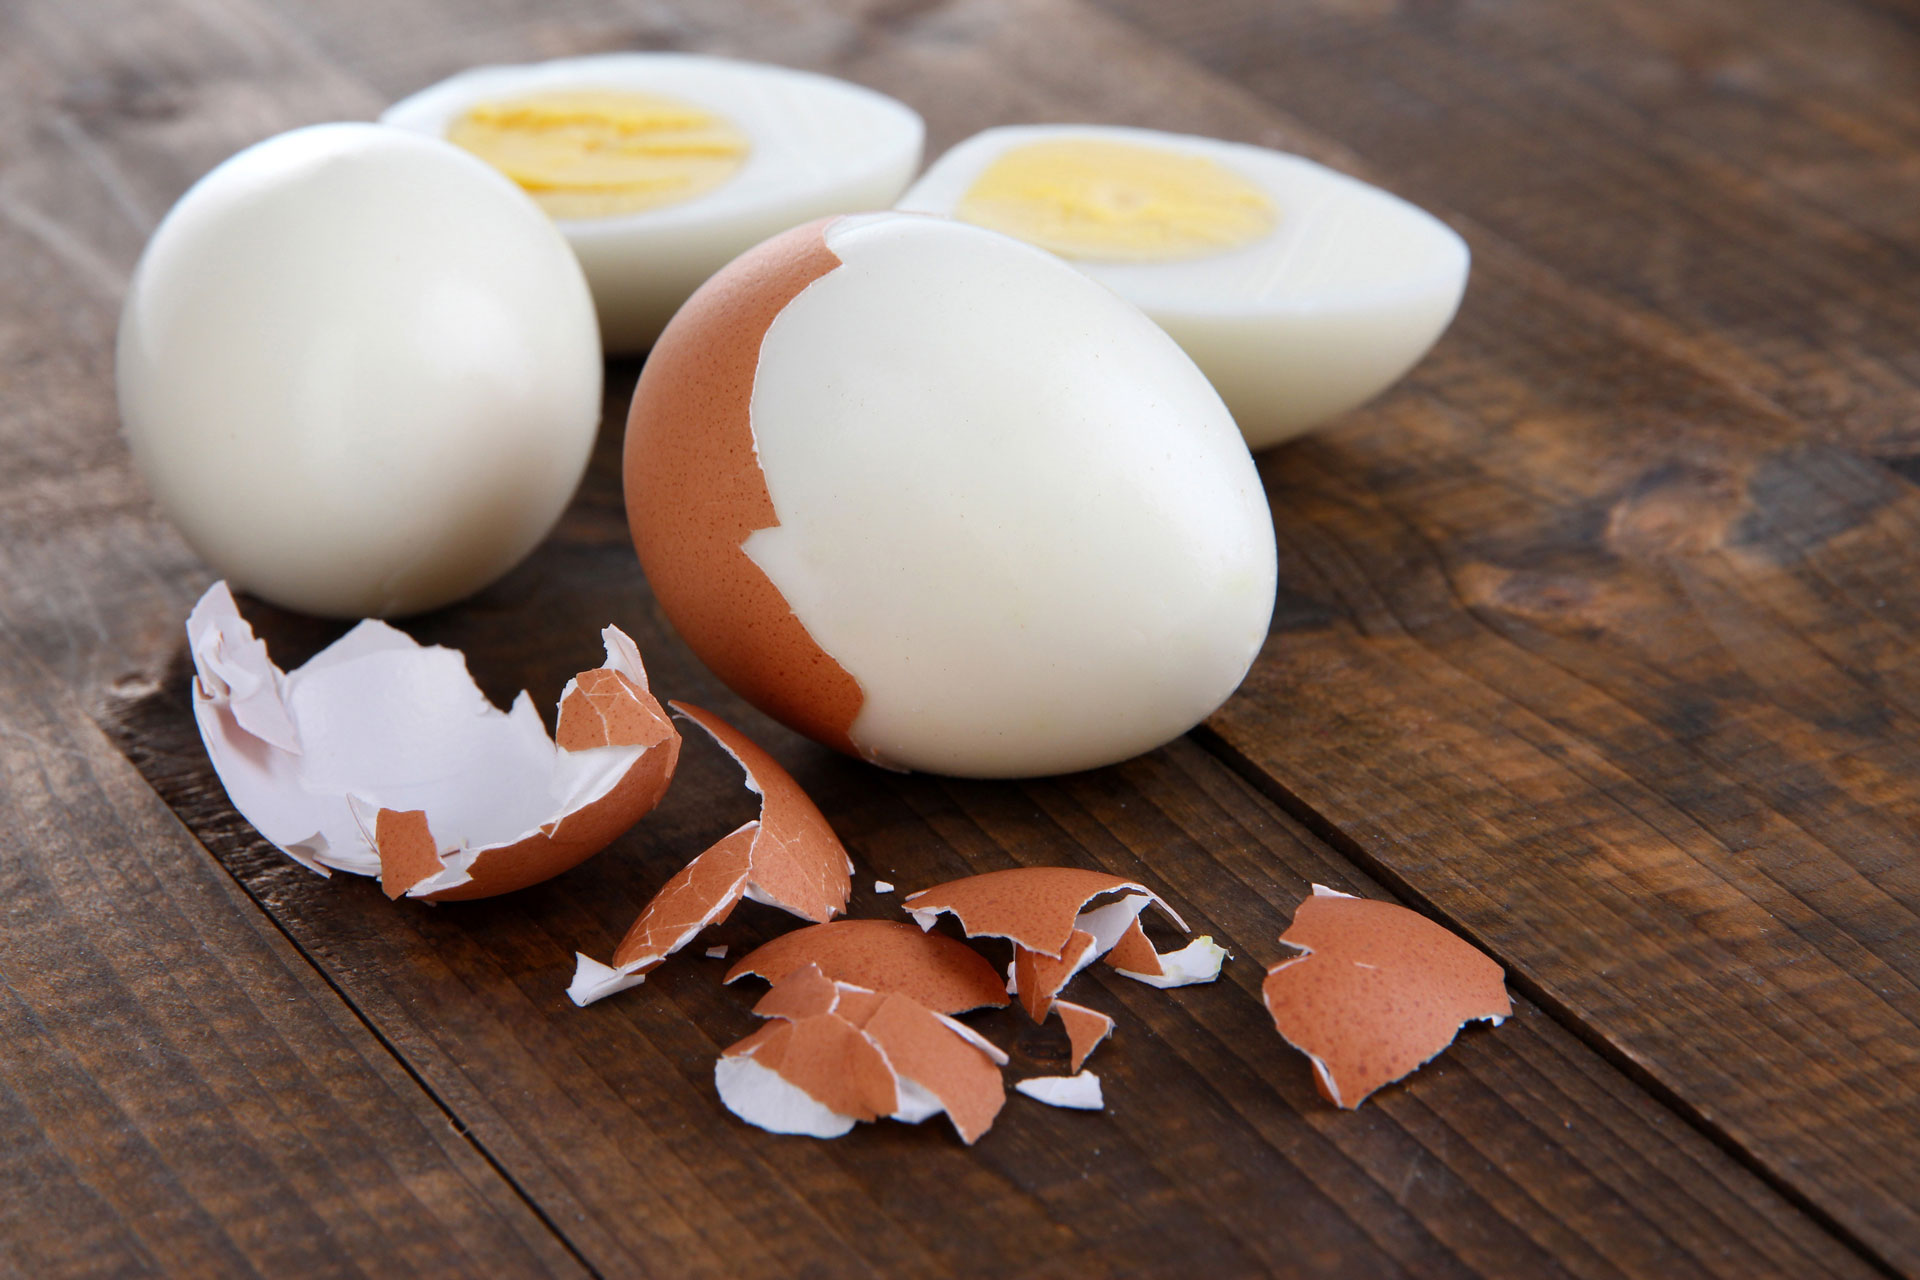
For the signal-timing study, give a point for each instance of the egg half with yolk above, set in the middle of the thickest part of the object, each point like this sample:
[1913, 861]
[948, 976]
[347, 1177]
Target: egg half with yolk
[1300, 291]
[661, 167]
[932, 497]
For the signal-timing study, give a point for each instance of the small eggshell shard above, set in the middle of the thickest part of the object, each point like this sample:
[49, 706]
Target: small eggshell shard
[1038, 978]
[359, 370]
[1331, 293]
[1086, 1028]
[1043, 911]
[1035, 907]
[1050, 569]
[888, 956]
[1079, 1092]
[788, 858]
[856, 1054]
[1376, 992]
[1198, 961]
[382, 757]
[813, 146]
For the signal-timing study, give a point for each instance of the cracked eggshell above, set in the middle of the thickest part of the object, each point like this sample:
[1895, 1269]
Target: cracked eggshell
[1376, 992]
[845, 1053]
[818, 146]
[788, 858]
[931, 969]
[382, 757]
[933, 498]
[359, 370]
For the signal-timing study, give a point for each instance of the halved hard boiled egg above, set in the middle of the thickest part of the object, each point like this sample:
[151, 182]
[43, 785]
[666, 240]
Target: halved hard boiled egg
[1301, 292]
[932, 497]
[661, 167]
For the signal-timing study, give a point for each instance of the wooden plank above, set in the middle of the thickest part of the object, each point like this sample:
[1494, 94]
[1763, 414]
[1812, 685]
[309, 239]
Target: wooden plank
[1598, 649]
[179, 1091]
[1520, 1153]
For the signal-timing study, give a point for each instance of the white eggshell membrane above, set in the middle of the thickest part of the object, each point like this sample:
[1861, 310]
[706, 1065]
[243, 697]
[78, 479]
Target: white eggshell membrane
[359, 370]
[377, 721]
[1009, 506]
[819, 146]
[1351, 288]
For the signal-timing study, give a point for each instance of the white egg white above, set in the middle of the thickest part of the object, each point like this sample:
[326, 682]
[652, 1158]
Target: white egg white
[1009, 506]
[1345, 295]
[360, 371]
[819, 146]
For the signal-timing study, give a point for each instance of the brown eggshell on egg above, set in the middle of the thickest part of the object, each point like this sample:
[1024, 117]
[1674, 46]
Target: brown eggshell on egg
[694, 496]
[1378, 991]
[888, 956]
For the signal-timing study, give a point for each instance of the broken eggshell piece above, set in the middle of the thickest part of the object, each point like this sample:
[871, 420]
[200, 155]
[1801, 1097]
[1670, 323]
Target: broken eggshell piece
[1376, 992]
[889, 956]
[1086, 1028]
[1043, 911]
[788, 858]
[382, 757]
[1079, 1092]
[836, 1053]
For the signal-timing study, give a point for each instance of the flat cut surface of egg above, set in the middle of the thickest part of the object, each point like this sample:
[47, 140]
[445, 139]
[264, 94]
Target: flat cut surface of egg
[661, 167]
[359, 370]
[930, 495]
[1301, 292]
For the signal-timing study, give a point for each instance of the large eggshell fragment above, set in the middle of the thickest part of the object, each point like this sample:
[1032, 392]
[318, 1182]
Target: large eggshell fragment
[840, 1053]
[888, 956]
[382, 757]
[932, 497]
[1377, 991]
[788, 858]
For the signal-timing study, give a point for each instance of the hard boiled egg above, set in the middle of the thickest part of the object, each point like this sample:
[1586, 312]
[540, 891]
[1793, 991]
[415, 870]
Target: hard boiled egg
[1300, 291]
[933, 497]
[360, 371]
[661, 167]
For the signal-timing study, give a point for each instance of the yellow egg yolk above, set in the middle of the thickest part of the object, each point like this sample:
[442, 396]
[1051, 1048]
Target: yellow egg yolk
[595, 152]
[1117, 201]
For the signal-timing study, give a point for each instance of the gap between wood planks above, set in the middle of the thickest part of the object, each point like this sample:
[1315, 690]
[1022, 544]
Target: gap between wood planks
[1581, 1028]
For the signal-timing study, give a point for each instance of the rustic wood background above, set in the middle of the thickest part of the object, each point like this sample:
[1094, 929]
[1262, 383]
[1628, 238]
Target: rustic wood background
[1596, 642]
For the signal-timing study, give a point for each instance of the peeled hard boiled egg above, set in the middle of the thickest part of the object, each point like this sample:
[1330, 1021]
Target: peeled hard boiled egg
[661, 167]
[359, 369]
[932, 497]
[1300, 291]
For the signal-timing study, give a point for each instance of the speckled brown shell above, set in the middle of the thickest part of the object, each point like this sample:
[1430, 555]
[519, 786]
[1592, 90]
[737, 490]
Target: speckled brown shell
[931, 969]
[1380, 991]
[695, 491]
[1034, 906]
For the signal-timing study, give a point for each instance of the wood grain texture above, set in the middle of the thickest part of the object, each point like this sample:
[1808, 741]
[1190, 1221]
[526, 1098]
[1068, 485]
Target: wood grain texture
[179, 1091]
[1601, 638]
[1520, 1153]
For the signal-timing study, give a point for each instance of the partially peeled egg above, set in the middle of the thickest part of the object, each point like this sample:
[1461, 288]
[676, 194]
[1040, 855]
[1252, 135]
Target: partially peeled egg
[932, 497]
[1301, 292]
[661, 167]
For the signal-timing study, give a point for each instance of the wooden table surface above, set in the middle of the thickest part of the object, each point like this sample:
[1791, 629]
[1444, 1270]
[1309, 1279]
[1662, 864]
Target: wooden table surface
[1596, 642]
